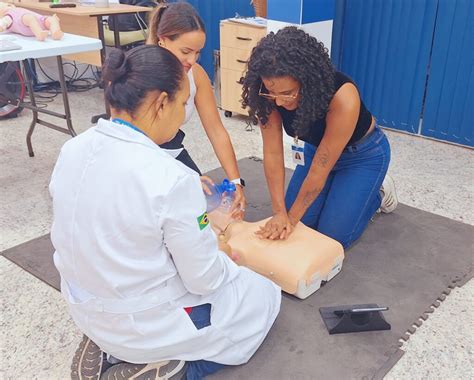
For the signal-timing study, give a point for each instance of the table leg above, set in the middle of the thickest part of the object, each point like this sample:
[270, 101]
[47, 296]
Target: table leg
[116, 33]
[67, 109]
[100, 27]
[31, 94]
[36, 111]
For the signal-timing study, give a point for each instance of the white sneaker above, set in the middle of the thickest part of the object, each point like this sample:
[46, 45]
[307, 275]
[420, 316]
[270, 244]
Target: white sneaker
[389, 195]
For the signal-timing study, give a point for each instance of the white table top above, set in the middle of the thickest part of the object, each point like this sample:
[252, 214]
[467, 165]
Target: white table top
[32, 48]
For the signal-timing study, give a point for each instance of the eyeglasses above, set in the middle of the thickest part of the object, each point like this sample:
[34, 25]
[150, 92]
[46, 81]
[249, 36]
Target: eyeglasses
[283, 98]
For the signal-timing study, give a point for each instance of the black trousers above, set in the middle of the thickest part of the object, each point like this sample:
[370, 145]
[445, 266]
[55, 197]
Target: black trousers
[184, 157]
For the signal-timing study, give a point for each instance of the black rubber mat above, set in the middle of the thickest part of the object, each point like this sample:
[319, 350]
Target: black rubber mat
[408, 260]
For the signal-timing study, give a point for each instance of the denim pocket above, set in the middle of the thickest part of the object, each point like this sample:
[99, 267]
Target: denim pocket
[201, 315]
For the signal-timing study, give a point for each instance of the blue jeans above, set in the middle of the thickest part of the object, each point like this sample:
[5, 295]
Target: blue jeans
[197, 370]
[201, 368]
[351, 195]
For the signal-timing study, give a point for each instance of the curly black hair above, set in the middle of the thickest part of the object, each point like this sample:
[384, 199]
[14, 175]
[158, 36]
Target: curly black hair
[290, 52]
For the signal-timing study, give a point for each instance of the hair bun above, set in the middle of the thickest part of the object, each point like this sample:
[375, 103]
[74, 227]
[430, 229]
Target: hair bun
[115, 67]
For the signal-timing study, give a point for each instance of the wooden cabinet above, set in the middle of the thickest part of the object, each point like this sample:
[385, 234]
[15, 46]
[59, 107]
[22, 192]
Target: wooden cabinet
[237, 42]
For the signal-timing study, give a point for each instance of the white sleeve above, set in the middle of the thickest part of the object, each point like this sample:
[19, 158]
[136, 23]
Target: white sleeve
[53, 174]
[191, 242]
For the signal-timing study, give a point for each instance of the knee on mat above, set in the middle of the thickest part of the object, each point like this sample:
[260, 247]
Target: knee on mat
[346, 238]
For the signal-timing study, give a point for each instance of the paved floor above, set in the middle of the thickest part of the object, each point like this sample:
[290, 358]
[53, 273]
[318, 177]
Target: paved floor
[38, 337]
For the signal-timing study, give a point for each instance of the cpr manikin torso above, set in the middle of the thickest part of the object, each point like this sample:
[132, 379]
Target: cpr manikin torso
[298, 264]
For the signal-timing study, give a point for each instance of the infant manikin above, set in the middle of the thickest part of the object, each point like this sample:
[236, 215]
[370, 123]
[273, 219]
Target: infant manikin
[299, 265]
[27, 23]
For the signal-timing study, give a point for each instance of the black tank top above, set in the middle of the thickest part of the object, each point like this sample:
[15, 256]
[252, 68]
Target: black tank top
[316, 130]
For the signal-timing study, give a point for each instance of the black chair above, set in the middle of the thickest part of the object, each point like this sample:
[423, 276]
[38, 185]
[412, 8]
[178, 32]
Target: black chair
[12, 90]
[133, 28]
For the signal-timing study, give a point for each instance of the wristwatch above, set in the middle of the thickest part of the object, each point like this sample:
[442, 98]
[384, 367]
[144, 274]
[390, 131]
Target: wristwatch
[238, 181]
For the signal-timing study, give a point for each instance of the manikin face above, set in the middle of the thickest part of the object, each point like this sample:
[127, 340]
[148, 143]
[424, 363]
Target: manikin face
[284, 91]
[186, 47]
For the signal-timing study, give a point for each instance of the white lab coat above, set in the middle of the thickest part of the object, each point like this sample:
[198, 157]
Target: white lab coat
[131, 255]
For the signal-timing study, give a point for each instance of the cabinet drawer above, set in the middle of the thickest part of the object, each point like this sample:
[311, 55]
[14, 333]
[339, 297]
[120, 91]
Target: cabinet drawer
[234, 59]
[240, 36]
[231, 91]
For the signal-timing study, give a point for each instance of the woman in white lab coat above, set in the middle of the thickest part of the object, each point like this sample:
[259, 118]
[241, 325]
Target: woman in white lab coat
[140, 267]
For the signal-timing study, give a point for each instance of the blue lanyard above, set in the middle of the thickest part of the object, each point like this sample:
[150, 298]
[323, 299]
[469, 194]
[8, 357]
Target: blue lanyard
[127, 124]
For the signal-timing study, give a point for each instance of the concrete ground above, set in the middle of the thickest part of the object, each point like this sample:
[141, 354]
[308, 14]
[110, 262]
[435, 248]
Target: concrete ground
[38, 338]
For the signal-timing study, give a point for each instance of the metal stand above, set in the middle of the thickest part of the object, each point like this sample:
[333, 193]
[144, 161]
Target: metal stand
[100, 27]
[353, 318]
[100, 30]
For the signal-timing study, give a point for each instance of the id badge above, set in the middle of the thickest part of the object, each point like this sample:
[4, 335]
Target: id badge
[297, 152]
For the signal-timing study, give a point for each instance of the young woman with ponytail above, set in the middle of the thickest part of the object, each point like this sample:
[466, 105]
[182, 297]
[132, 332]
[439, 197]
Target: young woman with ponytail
[178, 28]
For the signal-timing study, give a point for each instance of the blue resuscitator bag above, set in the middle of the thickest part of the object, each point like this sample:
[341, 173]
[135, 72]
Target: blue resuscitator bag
[222, 196]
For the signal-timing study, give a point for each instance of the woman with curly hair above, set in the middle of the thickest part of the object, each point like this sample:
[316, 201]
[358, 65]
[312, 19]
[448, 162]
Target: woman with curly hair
[336, 187]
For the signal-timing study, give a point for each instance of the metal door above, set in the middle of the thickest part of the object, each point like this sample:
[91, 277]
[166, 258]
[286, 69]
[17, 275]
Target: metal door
[449, 106]
[384, 45]
[413, 62]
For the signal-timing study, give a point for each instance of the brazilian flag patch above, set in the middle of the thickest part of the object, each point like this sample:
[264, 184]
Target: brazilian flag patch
[203, 221]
